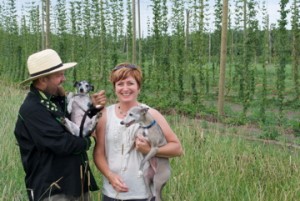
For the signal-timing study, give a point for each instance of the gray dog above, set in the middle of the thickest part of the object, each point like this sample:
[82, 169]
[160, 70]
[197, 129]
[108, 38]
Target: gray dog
[78, 104]
[159, 170]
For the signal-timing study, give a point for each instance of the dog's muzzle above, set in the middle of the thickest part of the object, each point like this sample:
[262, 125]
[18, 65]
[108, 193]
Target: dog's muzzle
[127, 124]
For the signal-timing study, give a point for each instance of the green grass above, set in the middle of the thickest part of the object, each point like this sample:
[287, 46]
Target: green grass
[218, 164]
[226, 167]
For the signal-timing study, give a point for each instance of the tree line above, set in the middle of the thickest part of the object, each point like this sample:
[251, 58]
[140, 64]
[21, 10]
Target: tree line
[179, 53]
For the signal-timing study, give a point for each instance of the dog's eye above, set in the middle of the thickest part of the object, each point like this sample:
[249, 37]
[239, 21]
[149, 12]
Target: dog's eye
[130, 114]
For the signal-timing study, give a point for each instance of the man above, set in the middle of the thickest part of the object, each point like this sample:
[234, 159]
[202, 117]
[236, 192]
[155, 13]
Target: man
[55, 162]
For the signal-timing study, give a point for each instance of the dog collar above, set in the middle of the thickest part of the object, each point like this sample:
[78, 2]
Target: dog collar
[149, 126]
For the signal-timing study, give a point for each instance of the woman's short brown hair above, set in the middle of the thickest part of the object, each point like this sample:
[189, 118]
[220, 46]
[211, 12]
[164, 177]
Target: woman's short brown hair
[125, 70]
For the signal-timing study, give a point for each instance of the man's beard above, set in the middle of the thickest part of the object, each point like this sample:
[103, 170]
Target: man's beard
[51, 91]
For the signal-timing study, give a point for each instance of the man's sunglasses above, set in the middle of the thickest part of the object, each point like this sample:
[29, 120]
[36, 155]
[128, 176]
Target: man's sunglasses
[125, 66]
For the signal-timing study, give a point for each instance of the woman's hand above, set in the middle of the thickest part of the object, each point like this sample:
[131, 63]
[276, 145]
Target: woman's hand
[117, 183]
[142, 145]
[99, 99]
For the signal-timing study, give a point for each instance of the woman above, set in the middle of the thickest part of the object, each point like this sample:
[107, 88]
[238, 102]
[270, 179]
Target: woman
[120, 171]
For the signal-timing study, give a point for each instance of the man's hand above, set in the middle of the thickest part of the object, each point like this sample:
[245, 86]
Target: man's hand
[99, 99]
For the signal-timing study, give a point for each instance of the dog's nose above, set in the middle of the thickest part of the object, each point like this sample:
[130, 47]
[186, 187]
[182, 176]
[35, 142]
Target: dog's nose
[122, 123]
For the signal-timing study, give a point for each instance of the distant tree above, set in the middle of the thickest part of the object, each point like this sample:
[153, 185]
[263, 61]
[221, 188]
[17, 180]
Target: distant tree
[104, 45]
[35, 27]
[282, 50]
[95, 16]
[249, 52]
[140, 34]
[265, 56]
[11, 47]
[10, 17]
[24, 32]
[74, 35]
[29, 34]
[272, 40]
[295, 46]
[78, 40]
[178, 43]
[217, 31]
[166, 50]
[238, 47]
[154, 71]
[88, 45]
[62, 28]
[98, 51]
[121, 17]
[116, 12]
[198, 55]
[255, 46]
[1, 18]
[47, 24]
[79, 17]
[129, 33]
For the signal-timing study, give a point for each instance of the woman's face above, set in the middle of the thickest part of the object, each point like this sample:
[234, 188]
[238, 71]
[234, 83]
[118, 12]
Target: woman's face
[127, 90]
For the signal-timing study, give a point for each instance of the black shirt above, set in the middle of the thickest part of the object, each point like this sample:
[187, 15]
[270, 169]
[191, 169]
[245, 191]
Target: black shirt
[49, 153]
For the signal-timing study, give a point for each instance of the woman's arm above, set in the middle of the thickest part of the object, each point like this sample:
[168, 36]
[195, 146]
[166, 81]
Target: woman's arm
[99, 150]
[171, 149]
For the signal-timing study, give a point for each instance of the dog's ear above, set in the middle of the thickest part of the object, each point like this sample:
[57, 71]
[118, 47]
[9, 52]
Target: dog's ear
[144, 110]
[75, 84]
[91, 87]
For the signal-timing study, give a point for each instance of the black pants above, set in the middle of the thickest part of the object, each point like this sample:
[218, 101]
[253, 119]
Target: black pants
[105, 198]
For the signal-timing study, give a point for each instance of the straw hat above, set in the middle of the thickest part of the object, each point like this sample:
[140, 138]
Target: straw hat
[44, 63]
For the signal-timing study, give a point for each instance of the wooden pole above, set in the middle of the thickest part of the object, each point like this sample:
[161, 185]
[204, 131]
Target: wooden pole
[223, 59]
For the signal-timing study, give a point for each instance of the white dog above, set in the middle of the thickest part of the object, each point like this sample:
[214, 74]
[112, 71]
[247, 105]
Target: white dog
[78, 105]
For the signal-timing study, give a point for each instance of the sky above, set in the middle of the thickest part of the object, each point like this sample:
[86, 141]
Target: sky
[146, 12]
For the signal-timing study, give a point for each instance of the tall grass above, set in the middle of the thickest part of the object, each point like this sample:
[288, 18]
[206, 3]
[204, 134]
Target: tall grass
[216, 165]
[224, 167]
[12, 175]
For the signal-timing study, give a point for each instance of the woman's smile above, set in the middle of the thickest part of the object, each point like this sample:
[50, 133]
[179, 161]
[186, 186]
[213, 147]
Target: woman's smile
[127, 88]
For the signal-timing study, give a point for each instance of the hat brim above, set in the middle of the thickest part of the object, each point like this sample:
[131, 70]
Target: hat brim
[64, 67]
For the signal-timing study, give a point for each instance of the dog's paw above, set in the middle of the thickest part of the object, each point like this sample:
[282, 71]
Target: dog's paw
[62, 121]
[140, 174]
[70, 95]
[70, 126]
[94, 123]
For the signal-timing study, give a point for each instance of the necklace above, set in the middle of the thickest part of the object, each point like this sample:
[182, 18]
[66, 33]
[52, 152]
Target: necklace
[121, 112]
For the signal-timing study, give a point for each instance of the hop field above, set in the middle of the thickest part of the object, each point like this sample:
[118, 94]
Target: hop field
[219, 163]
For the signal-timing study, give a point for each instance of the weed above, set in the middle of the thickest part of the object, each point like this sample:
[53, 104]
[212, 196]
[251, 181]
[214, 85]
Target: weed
[270, 133]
